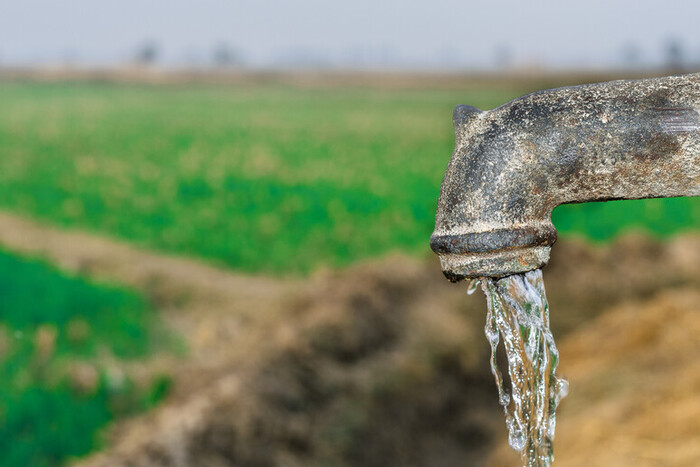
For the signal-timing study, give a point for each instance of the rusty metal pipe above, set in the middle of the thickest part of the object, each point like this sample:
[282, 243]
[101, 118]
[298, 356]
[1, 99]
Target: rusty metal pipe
[514, 164]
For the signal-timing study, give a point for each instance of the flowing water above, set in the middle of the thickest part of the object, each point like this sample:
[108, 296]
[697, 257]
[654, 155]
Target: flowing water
[518, 315]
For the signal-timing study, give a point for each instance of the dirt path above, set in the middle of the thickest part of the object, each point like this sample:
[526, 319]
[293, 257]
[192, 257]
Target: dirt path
[206, 304]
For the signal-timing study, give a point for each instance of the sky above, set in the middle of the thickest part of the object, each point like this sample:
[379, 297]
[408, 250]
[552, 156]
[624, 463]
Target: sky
[357, 33]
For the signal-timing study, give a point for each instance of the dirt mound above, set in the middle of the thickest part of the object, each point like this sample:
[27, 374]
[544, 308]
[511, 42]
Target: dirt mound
[584, 280]
[366, 368]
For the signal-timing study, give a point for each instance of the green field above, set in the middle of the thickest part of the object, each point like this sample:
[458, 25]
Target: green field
[61, 341]
[261, 178]
[266, 178]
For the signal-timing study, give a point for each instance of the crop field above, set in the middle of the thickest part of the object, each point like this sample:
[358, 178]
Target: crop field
[278, 179]
[61, 343]
[261, 178]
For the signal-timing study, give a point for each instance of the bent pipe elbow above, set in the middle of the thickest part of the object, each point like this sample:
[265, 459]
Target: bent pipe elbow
[514, 164]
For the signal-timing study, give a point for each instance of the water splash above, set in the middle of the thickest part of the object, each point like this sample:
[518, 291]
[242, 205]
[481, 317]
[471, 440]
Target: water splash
[518, 313]
[473, 285]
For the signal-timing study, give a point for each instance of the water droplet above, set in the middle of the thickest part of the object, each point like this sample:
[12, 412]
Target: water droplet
[551, 427]
[562, 389]
[516, 439]
[504, 399]
[473, 285]
[491, 335]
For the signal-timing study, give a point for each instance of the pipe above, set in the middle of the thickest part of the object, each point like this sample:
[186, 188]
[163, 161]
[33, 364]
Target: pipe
[514, 164]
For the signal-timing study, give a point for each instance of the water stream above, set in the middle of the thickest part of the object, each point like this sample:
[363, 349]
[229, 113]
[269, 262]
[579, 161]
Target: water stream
[518, 316]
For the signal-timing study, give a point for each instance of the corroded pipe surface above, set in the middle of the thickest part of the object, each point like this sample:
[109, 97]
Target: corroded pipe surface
[514, 164]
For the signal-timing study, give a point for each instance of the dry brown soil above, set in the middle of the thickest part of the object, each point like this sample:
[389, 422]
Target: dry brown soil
[385, 363]
[525, 78]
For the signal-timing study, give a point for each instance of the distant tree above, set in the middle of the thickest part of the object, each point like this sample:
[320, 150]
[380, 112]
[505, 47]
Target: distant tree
[147, 53]
[224, 56]
[674, 55]
[631, 56]
[503, 57]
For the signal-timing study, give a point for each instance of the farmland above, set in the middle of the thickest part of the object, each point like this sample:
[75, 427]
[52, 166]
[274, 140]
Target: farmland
[268, 178]
[273, 178]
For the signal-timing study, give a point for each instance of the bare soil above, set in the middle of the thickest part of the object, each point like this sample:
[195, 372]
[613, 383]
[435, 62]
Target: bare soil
[385, 363]
[526, 78]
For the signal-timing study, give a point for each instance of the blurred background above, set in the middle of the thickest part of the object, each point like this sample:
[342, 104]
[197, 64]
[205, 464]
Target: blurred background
[214, 225]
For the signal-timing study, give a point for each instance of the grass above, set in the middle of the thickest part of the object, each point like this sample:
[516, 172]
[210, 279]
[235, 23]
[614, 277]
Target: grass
[255, 177]
[61, 341]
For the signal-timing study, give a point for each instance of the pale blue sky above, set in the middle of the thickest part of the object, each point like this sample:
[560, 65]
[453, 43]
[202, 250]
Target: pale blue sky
[414, 33]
